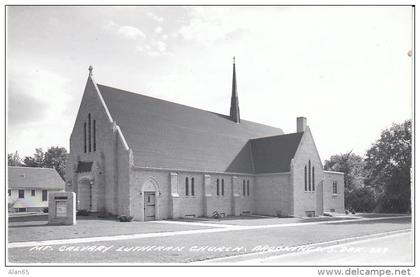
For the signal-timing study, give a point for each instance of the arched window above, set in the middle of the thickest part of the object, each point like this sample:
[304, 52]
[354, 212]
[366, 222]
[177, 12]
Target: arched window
[309, 175]
[94, 136]
[243, 187]
[192, 186]
[247, 187]
[186, 186]
[223, 186]
[84, 138]
[306, 178]
[90, 133]
[313, 178]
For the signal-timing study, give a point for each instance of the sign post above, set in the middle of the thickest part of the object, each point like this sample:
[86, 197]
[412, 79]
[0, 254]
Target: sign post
[62, 208]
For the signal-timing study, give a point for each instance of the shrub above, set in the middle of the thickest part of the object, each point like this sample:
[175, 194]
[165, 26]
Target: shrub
[45, 210]
[104, 214]
[125, 218]
[83, 213]
[216, 215]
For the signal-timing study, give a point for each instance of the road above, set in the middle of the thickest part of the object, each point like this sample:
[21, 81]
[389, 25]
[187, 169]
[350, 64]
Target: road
[186, 242]
[393, 249]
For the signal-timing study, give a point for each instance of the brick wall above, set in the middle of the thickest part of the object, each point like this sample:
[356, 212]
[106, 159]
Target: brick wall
[331, 200]
[272, 194]
[108, 146]
[306, 200]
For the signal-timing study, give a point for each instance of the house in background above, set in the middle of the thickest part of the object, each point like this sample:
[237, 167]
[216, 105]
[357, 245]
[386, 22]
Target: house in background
[28, 187]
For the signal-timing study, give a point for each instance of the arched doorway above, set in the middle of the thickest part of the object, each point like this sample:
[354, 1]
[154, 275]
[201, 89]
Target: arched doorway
[150, 192]
[85, 194]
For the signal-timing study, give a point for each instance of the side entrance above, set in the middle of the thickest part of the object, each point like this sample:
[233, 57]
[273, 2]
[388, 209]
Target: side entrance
[149, 205]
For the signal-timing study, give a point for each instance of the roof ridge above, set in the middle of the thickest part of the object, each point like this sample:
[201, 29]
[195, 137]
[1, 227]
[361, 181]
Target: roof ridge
[184, 105]
[34, 167]
[283, 135]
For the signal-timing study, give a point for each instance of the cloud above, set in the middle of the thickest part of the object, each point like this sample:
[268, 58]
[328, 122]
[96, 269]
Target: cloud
[37, 98]
[131, 32]
[128, 32]
[158, 29]
[155, 17]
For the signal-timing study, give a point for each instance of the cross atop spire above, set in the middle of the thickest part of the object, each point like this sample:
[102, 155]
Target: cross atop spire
[90, 70]
[234, 102]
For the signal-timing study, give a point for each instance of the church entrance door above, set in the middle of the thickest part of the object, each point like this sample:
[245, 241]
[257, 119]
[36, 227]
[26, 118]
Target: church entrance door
[85, 195]
[149, 205]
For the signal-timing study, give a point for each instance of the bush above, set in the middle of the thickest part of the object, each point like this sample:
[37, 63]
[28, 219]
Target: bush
[125, 218]
[104, 214]
[216, 215]
[45, 210]
[83, 213]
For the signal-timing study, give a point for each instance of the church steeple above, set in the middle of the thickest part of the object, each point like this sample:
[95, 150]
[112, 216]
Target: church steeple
[234, 102]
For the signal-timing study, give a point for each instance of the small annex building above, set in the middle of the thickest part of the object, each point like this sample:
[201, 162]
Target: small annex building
[132, 154]
[28, 187]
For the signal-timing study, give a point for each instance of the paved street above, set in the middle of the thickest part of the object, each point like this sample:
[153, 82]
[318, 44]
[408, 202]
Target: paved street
[391, 249]
[190, 241]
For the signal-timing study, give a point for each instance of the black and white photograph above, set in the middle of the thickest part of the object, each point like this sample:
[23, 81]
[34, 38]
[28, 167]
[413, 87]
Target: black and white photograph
[210, 136]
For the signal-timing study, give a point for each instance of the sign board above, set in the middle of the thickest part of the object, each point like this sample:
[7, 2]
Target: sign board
[61, 208]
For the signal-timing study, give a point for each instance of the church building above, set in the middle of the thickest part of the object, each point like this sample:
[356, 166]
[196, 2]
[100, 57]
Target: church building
[152, 159]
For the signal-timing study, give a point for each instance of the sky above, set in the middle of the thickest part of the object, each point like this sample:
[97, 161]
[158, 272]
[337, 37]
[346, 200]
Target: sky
[346, 69]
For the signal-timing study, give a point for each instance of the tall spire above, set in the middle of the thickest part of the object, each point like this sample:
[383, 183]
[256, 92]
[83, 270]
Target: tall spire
[234, 102]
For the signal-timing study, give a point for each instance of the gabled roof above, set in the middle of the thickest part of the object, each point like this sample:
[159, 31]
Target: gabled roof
[34, 177]
[164, 134]
[273, 154]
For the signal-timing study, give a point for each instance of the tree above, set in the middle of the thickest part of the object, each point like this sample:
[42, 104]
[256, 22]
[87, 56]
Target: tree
[55, 157]
[388, 162]
[353, 167]
[13, 159]
[37, 160]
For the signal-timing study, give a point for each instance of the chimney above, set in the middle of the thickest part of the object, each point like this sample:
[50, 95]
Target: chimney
[300, 124]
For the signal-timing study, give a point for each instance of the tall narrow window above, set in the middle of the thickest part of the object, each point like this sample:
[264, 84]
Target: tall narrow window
[223, 186]
[309, 175]
[94, 136]
[313, 178]
[217, 187]
[243, 187]
[90, 133]
[84, 137]
[186, 186]
[9, 191]
[247, 187]
[44, 195]
[32, 192]
[21, 193]
[306, 178]
[334, 187]
[192, 186]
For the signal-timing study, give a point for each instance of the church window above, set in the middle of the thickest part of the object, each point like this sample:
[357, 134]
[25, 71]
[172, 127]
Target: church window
[94, 136]
[247, 187]
[90, 133]
[223, 186]
[306, 178]
[309, 175]
[217, 187]
[313, 178]
[186, 186]
[243, 187]
[84, 137]
[192, 186]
